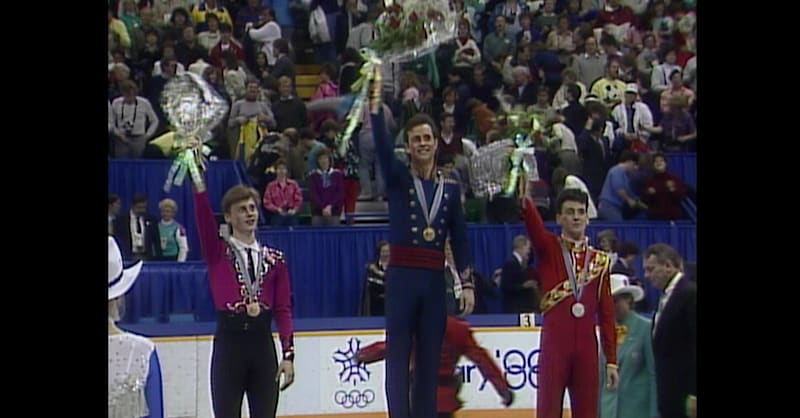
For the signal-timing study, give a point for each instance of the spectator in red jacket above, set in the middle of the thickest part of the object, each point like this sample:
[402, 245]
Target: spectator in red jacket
[226, 43]
[458, 341]
[664, 192]
[282, 197]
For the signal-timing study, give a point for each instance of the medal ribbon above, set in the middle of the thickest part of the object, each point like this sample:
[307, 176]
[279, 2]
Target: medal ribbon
[251, 283]
[430, 215]
[577, 288]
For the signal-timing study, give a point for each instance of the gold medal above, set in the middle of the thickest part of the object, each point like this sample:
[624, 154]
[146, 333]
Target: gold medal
[428, 234]
[253, 309]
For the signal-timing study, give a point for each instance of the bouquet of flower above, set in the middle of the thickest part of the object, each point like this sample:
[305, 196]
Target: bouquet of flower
[414, 28]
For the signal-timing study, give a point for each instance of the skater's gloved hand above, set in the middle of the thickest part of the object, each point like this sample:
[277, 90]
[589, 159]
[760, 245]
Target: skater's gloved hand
[508, 398]
[286, 368]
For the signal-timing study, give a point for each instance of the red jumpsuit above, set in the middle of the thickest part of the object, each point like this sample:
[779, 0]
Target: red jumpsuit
[458, 341]
[569, 355]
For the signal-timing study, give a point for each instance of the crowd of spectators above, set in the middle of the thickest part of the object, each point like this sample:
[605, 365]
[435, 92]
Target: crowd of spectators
[611, 83]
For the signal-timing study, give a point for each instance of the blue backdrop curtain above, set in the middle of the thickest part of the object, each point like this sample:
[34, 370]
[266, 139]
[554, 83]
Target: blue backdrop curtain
[327, 265]
[129, 177]
[683, 165]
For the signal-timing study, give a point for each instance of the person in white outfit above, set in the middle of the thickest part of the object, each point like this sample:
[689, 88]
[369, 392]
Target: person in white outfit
[134, 373]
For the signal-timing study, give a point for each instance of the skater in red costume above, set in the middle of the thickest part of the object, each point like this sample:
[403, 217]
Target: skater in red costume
[569, 355]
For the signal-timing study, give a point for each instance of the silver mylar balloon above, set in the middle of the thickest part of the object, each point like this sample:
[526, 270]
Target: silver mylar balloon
[192, 106]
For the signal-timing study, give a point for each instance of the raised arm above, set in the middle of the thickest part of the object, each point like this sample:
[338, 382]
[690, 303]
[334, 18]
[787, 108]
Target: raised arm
[534, 225]
[391, 168]
[207, 227]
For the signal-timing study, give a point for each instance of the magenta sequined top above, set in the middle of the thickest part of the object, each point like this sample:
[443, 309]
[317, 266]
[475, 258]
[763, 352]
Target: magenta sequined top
[227, 286]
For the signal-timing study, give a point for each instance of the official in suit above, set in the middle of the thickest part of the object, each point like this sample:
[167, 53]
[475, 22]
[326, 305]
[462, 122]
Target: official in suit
[636, 395]
[674, 333]
[520, 292]
[137, 232]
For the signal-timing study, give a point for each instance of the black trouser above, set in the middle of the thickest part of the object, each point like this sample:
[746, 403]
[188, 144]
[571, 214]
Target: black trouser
[244, 361]
[445, 415]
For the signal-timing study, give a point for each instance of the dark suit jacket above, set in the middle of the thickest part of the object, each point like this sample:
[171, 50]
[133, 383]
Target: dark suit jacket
[284, 67]
[675, 350]
[528, 95]
[517, 299]
[342, 30]
[595, 163]
[620, 267]
[152, 239]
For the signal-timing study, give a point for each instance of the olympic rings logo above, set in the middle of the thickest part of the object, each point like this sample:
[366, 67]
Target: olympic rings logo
[354, 398]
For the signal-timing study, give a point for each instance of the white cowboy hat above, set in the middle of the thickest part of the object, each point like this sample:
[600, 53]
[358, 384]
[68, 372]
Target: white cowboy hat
[119, 279]
[620, 285]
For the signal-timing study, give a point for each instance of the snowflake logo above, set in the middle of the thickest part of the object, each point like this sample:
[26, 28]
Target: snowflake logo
[351, 370]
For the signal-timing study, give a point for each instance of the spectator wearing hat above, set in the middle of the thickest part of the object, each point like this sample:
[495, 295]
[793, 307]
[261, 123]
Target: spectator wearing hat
[636, 394]
[633, 118]
[131, 357]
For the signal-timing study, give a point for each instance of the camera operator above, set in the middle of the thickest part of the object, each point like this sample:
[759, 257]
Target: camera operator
[135, 122]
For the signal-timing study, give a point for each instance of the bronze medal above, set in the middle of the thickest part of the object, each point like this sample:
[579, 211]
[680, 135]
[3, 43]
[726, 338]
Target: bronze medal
[429, 234]
[253, 309]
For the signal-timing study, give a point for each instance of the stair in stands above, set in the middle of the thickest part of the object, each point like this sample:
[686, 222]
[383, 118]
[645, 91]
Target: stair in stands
[371, 212]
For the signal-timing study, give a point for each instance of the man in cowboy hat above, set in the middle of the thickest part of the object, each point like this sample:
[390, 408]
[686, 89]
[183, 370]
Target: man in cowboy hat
[250, 286]
[131, 358]
[636, 394]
